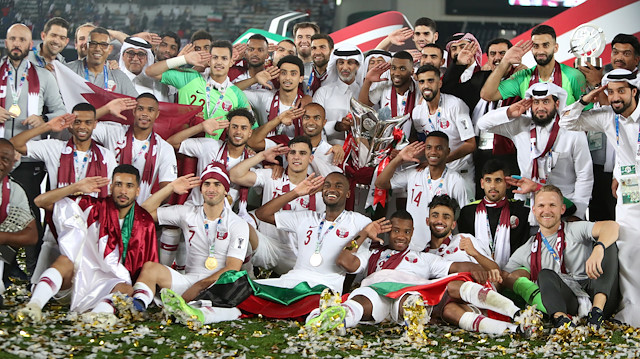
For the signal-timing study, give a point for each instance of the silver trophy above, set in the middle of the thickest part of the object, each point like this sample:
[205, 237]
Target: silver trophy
[373, 133]
[587, 44]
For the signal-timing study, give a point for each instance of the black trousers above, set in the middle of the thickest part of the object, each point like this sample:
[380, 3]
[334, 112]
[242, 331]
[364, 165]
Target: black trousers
[558, 297]
[602, 206]
[30, 176]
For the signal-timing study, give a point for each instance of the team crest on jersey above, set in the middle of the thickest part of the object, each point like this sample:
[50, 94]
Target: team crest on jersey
[445, 124]
[304, 204]
[227, 105]
[411, 259]
[514, 221]
[222, 236]
[67, 150]
[342, 233]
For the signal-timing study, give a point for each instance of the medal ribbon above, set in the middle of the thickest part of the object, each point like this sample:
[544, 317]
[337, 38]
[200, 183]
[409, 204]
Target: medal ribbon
[16, 89]
[105, 75]
[321, 235]
[440, 185]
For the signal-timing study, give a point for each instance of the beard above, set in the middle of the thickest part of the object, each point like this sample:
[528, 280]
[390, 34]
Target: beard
[622, 109]
[348, 78]
[434, 93]
[18, 57]
[439, 235]
[542, 122]
[545, 61]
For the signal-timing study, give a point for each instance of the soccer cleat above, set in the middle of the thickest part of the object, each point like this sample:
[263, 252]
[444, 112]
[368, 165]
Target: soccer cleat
[563, 322]
[174, 304]
[29, 313]
[529, 321]
[99, 320]
[595, 318]
[330, 319]
[329, 298]
[416, 315]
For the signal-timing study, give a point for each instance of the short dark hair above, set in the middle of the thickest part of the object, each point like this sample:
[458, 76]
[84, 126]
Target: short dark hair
[226, 44]
[99, 30]
[499, 40]
[291, 59]
[438, 134]
[304, 25]
[241, 112]
[435, 46]
[425, 21]
[127, 168]
[544, 30]
[403, 55]
[258, 37]
[148, 95]
[401, 214]
[493, 165]
[172, 35]
[428, 68]
[301, 139]
[83, 106]
[287, 41]
[323, 37]
[444, 200]
[627, 39]
[56, 21]
[201, 35]
[4, 141]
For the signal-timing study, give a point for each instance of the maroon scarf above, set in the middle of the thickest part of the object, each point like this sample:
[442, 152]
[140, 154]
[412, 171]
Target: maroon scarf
[142, 244]
[126, 156]
[317, 79]
[557, 75]
[287, 188]
[95, 167]
[224, 158]
[6, 196]
[391, 263]
[536, 252]
[505, 213]
[33, 86]
[411, 101]
[535, 174]
[275, 109]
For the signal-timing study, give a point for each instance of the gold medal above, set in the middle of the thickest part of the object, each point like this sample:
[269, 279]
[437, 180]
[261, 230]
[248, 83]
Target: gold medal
[14, 110]
[211, 263]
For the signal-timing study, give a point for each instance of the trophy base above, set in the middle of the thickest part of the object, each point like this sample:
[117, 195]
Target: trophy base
[583, 61]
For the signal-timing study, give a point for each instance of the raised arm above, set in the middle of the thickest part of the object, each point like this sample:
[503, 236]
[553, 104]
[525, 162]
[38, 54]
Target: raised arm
[373, 75]
[310, 185]
[208, 126]
[180, 185]
[195, 58]
[513, 56]
[347, 258]
[256, 141]
[241, 173]
[116, 107]
[396, 37]
[85, 185]
[409, 154]
[263, 77]
[56, 124]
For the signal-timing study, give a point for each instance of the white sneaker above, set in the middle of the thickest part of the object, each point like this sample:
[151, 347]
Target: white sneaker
[29, 313]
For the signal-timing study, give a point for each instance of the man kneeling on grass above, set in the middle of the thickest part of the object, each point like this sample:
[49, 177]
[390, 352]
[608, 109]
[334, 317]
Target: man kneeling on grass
[398, 288]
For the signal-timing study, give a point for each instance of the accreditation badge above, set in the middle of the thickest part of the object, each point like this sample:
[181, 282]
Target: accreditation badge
[595, 140]
[629, 187]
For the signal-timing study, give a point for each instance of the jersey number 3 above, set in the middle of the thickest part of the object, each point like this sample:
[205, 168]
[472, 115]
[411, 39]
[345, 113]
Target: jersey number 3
[308, 237]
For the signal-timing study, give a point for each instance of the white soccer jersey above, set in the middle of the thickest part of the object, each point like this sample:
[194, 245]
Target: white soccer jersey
[207, 150]
[49, 151]
[334, 236]
[229, 234]
[261, 102]
[113, 136]
[420, 190]
[421, 264]
[381, 96]
[335, 97]
[453, 253]
[322, 163]
[452, 118]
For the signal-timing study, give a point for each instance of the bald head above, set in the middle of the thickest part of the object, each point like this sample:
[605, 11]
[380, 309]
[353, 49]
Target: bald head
[18, 42]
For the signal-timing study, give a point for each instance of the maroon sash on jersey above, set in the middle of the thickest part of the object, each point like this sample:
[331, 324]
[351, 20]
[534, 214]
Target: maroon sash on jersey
[535, 174]
[33, 87]
[287, 188]
[411, 101]
[126, 156]
[316, 82]
[557, 76]
[244, 191]
[95, 167]
[6, 194]
[536, 252]
[392, 262]
[275, 109]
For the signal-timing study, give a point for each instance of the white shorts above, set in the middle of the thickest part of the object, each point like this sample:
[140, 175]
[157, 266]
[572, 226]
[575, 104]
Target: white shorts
[181, 282]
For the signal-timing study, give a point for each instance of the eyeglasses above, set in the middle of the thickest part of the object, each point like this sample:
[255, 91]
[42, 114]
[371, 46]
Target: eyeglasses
[131, 54]
[94, 44]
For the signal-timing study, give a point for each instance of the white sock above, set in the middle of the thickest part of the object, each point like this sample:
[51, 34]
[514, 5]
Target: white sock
[181, 256]
[48, 285]
[486, 298]
[479, 323]
[143, 292]
[105, 305]
[169, 240]
[355, 311]
[217, 314]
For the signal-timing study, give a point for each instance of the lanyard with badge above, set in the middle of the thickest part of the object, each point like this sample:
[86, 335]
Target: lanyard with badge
[39, 58]
[629, 187]
[438, 189]
[208, 89]
[105, 76]
[16, 89]
[438, 125]
[316, 257]
[76, 163]
[211, 262]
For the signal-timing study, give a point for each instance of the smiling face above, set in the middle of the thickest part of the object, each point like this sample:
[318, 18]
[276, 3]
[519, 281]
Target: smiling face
[494, 186]
[423, 35]
[239, 131]
[544, 46]
[82, 35]
[82, 127]
[303, 41]
[623, 56]
[456, 47]
[429, 83]
[55, 40]
[441, 221]
[400, 235]
[145, 113]
[213, 192]
[401, 71]
[135, 59]
[124, 189]
[335, 190]
[320, 52]
[548, 209]
[7, 159]
[18, 42]
[313, 120]
[495, 54]
[256, 53]
[290, 77]
[347, 70]
[220, 62]
[621, 96]
[299, 157]
[98, 49]
[436, 150]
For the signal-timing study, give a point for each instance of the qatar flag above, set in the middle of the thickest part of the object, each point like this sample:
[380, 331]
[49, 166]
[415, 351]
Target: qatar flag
[368, 33]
